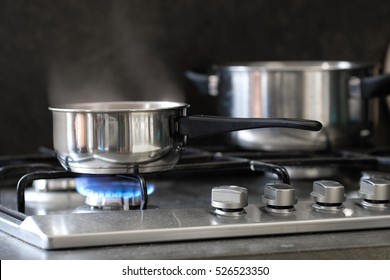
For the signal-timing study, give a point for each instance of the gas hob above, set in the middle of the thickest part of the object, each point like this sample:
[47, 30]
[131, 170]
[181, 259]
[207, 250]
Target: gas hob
[212, 194]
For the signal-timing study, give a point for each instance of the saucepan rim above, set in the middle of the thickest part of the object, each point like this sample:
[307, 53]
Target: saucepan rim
[118, 106]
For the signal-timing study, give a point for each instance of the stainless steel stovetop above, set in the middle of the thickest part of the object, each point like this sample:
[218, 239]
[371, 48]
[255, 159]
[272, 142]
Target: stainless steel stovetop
[215, 203]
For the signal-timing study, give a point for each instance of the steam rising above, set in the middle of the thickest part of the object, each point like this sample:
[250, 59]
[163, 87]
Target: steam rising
[123, 63]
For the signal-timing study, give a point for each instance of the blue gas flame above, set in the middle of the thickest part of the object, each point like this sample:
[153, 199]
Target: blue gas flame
[111, 187]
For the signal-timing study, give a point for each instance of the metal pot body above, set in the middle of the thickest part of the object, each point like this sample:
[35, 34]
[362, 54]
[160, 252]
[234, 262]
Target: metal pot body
[324, 91]
[109, 138]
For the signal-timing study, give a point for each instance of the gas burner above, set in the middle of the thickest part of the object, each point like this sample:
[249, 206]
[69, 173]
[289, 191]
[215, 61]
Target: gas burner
[111, 192]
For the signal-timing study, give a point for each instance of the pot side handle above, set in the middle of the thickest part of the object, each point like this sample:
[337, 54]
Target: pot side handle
[201, 125]
[206, 84]
[375, 86]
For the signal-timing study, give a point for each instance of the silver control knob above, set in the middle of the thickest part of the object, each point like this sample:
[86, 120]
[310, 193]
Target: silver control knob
[375, 193]
[279, 197]
[329, 192]
[375, 189]
[229, 200]
[328, 195]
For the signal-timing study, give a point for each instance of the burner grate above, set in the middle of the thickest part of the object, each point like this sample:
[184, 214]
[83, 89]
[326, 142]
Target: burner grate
[45, 166]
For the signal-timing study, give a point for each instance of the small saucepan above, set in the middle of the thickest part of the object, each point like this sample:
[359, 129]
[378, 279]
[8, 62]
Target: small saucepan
[139, 137]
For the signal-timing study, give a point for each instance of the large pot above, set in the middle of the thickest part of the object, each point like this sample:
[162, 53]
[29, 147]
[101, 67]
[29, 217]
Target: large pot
[336, 93]
[132, 137]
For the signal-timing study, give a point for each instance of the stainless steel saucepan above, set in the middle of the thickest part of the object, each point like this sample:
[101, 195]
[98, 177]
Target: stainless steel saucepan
[336, 93]
[132, 137]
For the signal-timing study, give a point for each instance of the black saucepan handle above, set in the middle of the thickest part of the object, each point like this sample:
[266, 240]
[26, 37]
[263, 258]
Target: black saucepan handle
[200, 125]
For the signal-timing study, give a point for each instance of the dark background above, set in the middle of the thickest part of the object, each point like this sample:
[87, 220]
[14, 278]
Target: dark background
[74, 51]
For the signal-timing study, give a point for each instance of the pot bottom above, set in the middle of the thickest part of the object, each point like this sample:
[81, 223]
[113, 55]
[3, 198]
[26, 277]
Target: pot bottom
[93, 165]
[130, 169]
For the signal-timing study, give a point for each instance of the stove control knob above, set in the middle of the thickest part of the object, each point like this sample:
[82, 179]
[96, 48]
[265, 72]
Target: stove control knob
[229, 197]
[279, 198]
[328, 192]
[375, 192]
[328, 195]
